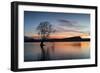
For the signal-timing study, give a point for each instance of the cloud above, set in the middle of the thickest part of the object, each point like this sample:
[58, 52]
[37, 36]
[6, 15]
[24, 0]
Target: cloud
[68, 23]
[70, 28]
[65, 23]
[65, 29]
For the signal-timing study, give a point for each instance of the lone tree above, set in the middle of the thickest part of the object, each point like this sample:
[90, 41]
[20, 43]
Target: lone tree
[44, 30]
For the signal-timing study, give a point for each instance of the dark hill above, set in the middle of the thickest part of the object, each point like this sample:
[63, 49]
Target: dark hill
[71, 39]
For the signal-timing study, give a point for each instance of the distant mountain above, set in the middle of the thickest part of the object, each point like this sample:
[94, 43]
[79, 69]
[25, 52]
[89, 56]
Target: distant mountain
[28, 39]
[70, 39]
[76, 38]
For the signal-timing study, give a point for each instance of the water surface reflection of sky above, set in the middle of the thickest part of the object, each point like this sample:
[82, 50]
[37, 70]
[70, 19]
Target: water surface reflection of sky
[57, 51]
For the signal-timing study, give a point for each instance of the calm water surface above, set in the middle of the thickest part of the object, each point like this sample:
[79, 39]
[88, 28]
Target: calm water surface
[57, 51]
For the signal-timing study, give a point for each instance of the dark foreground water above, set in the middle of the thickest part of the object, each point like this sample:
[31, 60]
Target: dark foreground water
[56, 51]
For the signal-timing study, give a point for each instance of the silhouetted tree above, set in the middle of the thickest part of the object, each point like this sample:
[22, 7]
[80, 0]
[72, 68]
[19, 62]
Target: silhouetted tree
[44, 30]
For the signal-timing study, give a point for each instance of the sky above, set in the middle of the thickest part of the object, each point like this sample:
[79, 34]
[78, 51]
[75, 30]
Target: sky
[65, 24]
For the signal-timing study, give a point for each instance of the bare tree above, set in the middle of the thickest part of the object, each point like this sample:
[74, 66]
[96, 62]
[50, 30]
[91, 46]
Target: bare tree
[44, 30]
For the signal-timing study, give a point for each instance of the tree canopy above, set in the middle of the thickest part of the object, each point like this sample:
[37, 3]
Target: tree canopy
[45, 29]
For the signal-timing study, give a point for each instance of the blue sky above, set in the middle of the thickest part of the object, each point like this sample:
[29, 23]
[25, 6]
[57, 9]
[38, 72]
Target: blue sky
[62, 22]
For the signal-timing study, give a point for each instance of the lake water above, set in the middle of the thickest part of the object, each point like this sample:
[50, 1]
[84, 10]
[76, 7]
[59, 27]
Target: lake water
[56, 51]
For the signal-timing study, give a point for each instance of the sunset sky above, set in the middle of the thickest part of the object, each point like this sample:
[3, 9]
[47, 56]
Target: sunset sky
[65, 24]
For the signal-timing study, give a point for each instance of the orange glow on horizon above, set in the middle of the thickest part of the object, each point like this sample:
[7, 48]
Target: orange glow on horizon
[65, 35]
[85, 36]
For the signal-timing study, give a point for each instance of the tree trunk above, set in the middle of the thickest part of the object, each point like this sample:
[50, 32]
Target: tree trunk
[42, 50]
